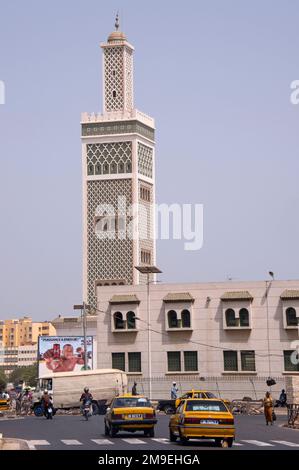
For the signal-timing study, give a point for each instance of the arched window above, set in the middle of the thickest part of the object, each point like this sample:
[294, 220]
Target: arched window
[291, 317]
[186, 319]
[172, 319]
[230, 317]
[244, 317]
[98, 169]
[114, 94]
[106, 168]
[118, 321]
[121, 168]
[131, 321]
[113, 167]
[90, 169]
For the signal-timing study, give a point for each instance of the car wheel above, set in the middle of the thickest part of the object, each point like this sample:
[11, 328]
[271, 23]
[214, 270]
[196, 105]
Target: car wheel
[230, 442]
[95, 409]
[150, 432]
[168, 409]
[183, 439]
[106, 430]
[113, 431]
[172, 437]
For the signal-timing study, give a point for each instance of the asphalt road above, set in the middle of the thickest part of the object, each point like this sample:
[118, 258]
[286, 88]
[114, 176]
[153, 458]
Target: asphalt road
[74, 433]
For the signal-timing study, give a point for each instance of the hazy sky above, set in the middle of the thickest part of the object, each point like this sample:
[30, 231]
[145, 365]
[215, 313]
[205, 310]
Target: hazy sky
[216, 77]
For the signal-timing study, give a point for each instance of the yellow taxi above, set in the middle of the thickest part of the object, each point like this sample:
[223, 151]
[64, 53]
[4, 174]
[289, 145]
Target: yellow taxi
[207, 418]
[4, 404]
[130, 413]
[194, 394]
[197, 394]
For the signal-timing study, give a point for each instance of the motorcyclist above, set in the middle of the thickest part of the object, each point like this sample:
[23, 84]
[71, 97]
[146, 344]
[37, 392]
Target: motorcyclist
[85, 397]
[46, 401]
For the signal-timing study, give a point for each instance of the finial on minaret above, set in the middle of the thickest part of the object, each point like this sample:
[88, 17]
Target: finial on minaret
[116, 21]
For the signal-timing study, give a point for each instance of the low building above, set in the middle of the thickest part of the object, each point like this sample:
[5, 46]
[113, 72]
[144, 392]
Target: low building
[8, 359]
[227, 336]
[27, 355]
[20, 356]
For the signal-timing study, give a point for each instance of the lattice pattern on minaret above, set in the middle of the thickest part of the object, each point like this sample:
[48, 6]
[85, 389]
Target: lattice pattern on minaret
[129, 79]
[145, 160]
[109, 158]
[114, 79]
[145, 226]
[106, 258]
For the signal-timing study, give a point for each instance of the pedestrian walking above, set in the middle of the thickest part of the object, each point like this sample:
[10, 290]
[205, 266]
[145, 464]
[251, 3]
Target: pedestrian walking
[268, 408]
[174, 391]
[134, 389]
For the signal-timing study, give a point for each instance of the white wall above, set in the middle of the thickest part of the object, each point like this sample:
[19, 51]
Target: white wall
[207, 335]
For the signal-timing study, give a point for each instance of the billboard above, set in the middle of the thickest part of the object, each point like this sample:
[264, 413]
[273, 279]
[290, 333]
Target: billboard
[63, 354]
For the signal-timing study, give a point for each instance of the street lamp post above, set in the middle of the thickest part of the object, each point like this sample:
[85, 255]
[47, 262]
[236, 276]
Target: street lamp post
[84, 307]
[270, 380]
[148, 270]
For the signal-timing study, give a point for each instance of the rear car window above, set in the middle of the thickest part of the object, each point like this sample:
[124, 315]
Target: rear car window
[201, 405]
[211, 395]
[131, 402]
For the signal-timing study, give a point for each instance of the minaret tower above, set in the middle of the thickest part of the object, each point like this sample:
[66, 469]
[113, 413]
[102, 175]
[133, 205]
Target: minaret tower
[118, 165]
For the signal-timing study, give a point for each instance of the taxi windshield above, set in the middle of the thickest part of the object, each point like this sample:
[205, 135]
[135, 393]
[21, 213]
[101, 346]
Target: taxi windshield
[202, 405]
[131, 402]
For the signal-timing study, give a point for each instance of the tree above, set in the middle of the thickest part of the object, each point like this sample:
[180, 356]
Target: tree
[27, 374]
[3, 381]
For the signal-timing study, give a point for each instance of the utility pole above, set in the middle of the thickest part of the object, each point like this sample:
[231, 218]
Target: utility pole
[84, 307]
[148, 270]
[84, 333]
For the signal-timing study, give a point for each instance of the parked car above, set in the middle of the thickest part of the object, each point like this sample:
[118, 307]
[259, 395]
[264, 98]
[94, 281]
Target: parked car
[169, 406]
[202, 419]
[130, 413]
[4, 404]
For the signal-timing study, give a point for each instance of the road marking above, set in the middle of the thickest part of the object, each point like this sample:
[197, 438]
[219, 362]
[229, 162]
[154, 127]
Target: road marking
[39, 443]
[133, 441]
[161, 440]
[237, 444]
[71, 442]
[31, 446]
[286, 443]
[258, 443]
[102, 442]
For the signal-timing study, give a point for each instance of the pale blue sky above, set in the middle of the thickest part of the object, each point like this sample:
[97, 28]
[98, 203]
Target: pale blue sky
[215, 75]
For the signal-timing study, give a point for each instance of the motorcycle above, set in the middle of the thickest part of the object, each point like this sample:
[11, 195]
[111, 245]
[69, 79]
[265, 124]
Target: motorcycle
[87, 409]
[49, 411]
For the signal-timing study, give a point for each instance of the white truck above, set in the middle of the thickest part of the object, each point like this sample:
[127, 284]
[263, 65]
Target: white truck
[66, 388]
